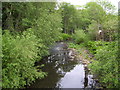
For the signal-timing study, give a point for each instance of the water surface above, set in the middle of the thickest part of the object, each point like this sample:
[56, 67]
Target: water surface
[62, 72]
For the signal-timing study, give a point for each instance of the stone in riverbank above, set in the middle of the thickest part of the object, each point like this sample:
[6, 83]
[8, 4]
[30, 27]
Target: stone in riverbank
[72, 53]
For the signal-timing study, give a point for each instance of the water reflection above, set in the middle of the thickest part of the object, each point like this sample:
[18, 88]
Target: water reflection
[56, 70]
[73, 79]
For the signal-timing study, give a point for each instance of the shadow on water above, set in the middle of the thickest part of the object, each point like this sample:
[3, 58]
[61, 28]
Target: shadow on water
[62, 72]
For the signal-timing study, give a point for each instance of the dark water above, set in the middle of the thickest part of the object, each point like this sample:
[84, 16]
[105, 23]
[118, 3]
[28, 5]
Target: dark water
[62, 72]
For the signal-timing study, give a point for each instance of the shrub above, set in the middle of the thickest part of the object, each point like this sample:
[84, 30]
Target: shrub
[20, 52]
[80, 37]
[72, 45]
[65, 36]
[94, 45]
[106, 65]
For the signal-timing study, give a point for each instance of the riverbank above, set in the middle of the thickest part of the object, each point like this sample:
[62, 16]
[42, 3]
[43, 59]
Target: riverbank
[81, 53]
[86, 58]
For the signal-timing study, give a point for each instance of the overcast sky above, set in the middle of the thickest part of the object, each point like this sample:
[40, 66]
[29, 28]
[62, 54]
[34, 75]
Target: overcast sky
[83, 2]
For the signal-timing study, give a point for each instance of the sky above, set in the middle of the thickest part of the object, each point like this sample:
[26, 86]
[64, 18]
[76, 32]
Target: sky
[83, 2]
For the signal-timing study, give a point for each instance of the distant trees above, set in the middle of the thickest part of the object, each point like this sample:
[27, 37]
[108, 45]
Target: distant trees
[101, 19]
[69, 14]
[110, 27]
[107, 6]
[95, 12]
[91, 18]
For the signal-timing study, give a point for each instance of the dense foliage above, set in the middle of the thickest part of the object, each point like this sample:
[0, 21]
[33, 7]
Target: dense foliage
[105, 64]
[80, 36]
[29, 28]
[69, 14]
[19, 55]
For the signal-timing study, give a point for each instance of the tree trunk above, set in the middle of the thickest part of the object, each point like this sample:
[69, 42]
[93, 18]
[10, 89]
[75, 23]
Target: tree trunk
[110, 36]
[9, 22]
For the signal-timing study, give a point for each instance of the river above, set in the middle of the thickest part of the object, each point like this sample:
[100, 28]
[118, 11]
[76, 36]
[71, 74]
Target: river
[62, 71]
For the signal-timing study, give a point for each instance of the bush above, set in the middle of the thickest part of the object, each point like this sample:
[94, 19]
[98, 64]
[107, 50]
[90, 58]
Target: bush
[94, 45]
[72, 45]
[106, 64]
[65, 36]
[20, 52]
[80, 37]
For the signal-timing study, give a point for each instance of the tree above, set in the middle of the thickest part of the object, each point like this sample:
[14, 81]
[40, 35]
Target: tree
[13, 15]
[82, 21]
[31, 29]
[68, 13]
[93, 30]
[107, 6]
[95, 15]
[41, 17]
[110, 26]
[95, 11]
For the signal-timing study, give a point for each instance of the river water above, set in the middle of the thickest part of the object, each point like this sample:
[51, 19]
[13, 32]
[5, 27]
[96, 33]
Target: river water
[62, 72]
